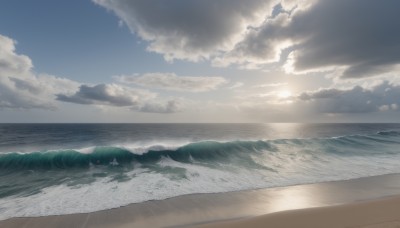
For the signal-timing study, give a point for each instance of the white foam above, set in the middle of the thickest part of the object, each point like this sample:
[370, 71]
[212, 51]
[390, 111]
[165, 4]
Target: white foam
[139, 148]
[295, 166]
[86, 150]
[144, 147]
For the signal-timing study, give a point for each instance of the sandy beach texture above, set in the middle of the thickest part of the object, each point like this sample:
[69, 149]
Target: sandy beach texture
[383, 213]
[366, 202]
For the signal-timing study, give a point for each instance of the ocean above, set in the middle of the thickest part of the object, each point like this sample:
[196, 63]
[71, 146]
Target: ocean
[53, 169]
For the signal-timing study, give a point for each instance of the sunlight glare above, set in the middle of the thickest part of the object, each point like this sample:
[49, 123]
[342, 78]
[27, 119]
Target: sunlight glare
[284, 94]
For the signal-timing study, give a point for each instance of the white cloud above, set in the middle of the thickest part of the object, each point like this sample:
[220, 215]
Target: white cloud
[170, 81]
[236, 85]
[20, 88]
[12, 64]
[279, 84]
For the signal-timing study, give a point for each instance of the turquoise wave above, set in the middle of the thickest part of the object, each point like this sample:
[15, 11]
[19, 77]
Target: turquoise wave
[205, 152]
[37, 183]
[117, 156]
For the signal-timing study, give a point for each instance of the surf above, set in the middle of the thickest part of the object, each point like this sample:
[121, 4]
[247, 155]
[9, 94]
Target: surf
[69, 181]
[205, 151]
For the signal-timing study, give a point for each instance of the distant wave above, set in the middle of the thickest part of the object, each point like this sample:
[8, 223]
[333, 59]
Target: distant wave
[389, 133]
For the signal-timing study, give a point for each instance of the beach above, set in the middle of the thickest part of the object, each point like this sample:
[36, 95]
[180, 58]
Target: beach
[201, 114]
[102, 175]
[383, 213]
[364, 202]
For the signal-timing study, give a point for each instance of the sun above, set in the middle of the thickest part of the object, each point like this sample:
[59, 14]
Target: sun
[284, 94]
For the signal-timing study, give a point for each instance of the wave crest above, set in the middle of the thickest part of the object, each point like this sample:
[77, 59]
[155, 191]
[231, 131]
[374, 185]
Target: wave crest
[206, 152]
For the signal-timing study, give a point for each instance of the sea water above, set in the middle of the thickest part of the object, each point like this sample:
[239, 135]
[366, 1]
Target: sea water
[53, 169]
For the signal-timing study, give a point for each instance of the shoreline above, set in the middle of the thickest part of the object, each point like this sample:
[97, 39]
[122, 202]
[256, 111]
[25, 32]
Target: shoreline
[211, 208]
[379, 213]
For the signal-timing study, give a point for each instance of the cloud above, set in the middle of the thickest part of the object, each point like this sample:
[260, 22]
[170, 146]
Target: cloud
[348, 104]
[279, 84]
[170, 81]
[356, 38]
[261, 45]
[236, 85]
[107, 94]
[359, 36]
[381, 97]
[10, 62]
[190, 29]
[171, 106]
[20, 88]
[121, 96]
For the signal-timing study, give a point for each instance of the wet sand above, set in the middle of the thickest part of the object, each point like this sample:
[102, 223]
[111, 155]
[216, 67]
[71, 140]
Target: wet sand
[382, 213]
[375, 198]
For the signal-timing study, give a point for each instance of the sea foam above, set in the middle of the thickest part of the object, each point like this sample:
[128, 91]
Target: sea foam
[120, 175]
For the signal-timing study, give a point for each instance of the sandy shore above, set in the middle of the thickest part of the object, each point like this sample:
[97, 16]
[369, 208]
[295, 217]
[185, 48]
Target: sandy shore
[365, 202]
[383, 213]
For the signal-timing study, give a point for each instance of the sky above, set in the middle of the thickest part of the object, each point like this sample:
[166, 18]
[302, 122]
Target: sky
[157, 61]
